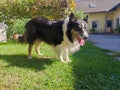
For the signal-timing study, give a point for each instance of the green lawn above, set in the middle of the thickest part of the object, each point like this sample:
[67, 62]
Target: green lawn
[91, 69]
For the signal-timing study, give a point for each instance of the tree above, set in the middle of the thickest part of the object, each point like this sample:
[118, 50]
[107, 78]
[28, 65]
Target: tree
[51, 9]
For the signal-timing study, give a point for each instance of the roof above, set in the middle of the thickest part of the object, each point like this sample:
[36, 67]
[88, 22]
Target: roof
[90, 6]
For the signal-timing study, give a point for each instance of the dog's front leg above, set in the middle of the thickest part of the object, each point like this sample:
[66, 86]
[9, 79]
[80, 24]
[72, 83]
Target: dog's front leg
[58, 50]
[66, 52]
[61, 57]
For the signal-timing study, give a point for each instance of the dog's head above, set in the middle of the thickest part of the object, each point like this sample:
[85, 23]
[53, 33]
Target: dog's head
[78, 29]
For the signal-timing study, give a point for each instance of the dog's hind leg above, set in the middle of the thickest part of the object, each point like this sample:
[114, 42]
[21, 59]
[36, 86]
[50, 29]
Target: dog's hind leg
[37, 46]
[30, 51]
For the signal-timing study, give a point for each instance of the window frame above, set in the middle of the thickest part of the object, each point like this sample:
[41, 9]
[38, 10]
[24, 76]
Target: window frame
[108, 22]
[117, 23]
[97, 23]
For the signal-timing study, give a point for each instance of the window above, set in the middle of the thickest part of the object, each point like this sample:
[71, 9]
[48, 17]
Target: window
[92, 5]
[117, 22]
[95, 24]
[109, 23]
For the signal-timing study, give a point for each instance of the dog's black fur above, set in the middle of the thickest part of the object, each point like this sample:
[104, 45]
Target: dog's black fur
[48, 31]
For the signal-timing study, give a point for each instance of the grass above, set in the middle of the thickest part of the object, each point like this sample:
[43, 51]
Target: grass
[91, 69]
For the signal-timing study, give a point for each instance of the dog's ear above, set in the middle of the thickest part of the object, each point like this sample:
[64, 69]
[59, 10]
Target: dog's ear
[72, 18]
[86, 19]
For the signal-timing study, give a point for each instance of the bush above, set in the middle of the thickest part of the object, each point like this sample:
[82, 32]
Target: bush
[79, 14]
[117, 29]
[16, 26]
[92, 30]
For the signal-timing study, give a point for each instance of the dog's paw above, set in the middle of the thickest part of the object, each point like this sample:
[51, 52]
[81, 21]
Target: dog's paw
[70, 61]
[66, 61]
[63, 61]
[41, 54]
[29, 57]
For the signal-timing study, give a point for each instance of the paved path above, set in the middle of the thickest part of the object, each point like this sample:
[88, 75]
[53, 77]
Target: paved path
[109, 42]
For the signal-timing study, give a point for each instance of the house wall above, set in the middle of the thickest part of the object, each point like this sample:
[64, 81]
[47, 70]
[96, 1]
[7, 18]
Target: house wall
[100, 17]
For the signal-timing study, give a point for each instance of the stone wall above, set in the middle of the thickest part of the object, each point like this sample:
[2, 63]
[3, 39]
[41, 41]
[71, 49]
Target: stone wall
[3, 36]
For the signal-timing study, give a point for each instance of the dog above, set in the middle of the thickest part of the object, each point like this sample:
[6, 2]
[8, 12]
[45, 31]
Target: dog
[65, 35]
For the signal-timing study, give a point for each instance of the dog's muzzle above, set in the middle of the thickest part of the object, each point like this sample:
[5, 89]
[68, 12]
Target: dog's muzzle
[85, 36]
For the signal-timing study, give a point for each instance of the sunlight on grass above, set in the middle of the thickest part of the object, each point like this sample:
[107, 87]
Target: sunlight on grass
[91, 69]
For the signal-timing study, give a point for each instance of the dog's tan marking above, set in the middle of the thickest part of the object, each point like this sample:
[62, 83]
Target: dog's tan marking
[36, 43]
[74, 34]
[37, 46]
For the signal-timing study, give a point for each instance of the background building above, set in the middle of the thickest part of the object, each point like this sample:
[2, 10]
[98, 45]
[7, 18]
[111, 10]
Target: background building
[104, 15]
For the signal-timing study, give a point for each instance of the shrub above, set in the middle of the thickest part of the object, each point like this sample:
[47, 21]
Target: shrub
[118, 29]
[16, 26]
[79, 14]
[92, 30]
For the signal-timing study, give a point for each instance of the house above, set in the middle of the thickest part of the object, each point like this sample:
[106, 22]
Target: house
[104, 15]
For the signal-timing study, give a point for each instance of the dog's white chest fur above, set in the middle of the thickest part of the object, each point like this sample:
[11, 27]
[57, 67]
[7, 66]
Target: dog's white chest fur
[66, 46]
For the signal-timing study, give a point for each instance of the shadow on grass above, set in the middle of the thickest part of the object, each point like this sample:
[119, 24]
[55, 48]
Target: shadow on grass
[78, 73]
[23, 62]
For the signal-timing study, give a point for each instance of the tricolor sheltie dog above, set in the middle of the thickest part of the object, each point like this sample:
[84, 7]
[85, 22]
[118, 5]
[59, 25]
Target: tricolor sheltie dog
[64, 36]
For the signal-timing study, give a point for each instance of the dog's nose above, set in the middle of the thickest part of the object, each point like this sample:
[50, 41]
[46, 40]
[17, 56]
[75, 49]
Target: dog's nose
[85, 37]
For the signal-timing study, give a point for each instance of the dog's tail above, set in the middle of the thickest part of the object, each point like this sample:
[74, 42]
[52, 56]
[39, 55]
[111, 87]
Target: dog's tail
[20, 38]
